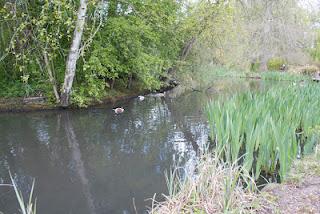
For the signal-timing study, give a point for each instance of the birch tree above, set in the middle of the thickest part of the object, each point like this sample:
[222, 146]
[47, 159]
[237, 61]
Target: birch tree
[73, 54]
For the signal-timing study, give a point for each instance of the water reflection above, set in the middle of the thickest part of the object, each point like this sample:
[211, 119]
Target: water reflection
[93, 161]
[77, 163]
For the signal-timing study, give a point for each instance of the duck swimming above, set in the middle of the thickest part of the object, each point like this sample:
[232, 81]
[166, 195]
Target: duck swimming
[118, 110]
[158, 94]
[141, 98]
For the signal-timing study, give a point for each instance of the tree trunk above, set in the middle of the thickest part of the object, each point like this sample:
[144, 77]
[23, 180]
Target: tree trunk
[51, 77]
[73, 54]
[184, 53]
[263, 65]
[129, 81]
[112, 83]
[186, 49]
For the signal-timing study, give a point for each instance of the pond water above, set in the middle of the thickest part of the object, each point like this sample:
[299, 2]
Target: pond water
[93, 161]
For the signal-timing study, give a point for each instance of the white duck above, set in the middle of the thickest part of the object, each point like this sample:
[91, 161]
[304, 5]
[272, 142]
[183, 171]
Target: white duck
[118, 110]
[141, 98]
[158, 94]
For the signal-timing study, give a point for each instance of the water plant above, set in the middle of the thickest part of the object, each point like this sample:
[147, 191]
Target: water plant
[283, 76]
[268, 129]
[28, 207]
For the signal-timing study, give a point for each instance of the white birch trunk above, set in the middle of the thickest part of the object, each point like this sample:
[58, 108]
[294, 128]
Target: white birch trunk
[73, 54]
[51, 77]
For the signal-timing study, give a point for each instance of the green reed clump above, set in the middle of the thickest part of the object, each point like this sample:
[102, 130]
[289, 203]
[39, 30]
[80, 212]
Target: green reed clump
[266, 130]
[283, 76]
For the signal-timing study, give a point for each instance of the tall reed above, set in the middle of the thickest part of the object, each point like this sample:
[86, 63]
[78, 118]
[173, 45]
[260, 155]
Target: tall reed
[269, 129]
[28, 207]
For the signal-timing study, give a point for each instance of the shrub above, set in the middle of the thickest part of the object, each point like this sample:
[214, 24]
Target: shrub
[274, 64]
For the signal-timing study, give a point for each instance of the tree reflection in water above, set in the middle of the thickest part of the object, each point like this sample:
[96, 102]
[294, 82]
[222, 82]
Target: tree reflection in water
[93, 161]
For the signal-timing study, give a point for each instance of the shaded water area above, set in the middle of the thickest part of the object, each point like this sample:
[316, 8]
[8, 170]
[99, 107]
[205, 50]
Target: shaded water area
[93, 161]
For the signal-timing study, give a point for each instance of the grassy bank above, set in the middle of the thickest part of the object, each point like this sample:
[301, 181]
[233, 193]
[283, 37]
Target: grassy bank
[283, 76]
[253, 134]
[217, 187]
[199, 77]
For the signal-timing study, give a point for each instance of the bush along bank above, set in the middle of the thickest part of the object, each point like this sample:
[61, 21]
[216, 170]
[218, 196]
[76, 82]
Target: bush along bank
[39, 103]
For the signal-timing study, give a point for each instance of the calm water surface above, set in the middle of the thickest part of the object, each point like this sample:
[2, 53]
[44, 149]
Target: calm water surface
[93, 161]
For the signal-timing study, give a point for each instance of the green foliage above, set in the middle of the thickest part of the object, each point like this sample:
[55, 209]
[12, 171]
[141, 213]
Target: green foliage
[254, 66]
[283, 76]
[139, 46]
[269, 128]
[123, 49]
[123, 42]
[92, 89]
[203, 76]
[274, 64]
[315, 51]
[34, 30]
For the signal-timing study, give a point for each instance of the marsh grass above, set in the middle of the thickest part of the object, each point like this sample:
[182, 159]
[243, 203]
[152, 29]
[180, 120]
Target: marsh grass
[283, 76]
[216, 187]
[269, 129]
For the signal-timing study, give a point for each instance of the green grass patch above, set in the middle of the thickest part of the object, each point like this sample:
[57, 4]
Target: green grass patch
[276, 63]
[283, 76]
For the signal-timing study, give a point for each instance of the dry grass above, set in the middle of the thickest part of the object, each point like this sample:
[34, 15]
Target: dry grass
[304, 69]
[216, 188]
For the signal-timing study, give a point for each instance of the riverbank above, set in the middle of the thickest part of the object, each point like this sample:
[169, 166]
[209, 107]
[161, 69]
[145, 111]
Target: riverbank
[300, 193]
[40, 104]
[220, 188]
[283, 125]
[216, 188]
[205, 76]
[29, 104]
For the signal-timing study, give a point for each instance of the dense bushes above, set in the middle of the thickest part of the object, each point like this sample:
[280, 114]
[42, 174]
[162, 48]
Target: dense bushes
[123, 42]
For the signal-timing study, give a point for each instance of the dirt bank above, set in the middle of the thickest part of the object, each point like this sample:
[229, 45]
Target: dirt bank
[301, 192]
